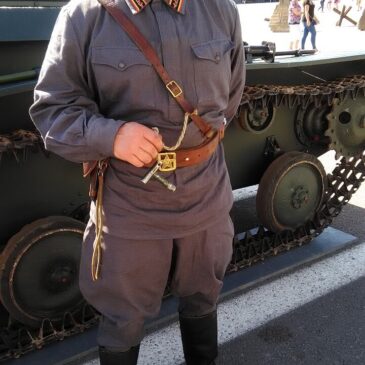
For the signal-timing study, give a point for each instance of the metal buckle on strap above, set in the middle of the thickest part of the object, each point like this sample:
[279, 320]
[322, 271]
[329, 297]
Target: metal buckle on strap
[174, 88]
[194, 112]
[167, 161]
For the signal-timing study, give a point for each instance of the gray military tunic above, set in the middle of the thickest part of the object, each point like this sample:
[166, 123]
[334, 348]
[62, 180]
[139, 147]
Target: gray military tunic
[94, 79]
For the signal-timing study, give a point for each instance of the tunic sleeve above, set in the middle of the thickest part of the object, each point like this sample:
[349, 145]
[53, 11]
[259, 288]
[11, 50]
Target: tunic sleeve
[238, 72]
[64, 109]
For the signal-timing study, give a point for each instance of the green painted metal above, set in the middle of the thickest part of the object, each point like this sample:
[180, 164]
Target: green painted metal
[18, 76]
[347, 126]
[17, 88]
[36, 24]
[297, 195]
[35, 184]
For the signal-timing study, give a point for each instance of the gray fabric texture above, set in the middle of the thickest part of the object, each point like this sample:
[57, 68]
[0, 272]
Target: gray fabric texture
[94, 79]
[134, 274]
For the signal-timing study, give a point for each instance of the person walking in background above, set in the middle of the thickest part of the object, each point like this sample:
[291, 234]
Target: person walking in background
[309, 23]
[321, 5]
[358, 4]
[295, 12]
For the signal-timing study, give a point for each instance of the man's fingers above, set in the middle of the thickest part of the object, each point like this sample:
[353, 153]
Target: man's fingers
[143, 156]
[150, 148]
[155, 138]
[137, 144]
[135, 161]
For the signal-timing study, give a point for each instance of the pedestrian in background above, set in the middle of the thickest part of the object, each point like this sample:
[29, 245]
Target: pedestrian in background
[309, 21]
[321, 5]
[295, 12]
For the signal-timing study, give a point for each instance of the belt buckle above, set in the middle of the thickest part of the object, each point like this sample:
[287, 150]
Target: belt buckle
[174, 88]
[167, 161]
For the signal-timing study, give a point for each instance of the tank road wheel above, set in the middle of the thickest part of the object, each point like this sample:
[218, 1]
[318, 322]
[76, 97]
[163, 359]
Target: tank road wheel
[39, 270]
[257, 120]
[290, 191]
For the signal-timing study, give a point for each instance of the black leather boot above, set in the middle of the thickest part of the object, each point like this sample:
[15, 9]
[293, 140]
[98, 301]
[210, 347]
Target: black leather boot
[108, 357]
[199, 339]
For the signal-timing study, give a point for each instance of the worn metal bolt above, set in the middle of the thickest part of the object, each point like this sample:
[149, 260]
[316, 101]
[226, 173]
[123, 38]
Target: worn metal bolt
[362, 122]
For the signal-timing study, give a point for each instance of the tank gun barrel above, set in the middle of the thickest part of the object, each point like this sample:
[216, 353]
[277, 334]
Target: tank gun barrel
[19, 76]
[267, 52]
[296, 52]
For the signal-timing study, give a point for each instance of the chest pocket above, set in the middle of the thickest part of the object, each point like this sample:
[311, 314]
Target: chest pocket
[125, 76]
[212, 68]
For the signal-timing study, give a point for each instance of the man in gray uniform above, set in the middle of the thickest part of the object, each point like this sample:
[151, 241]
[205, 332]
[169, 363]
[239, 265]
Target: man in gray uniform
[99, 98]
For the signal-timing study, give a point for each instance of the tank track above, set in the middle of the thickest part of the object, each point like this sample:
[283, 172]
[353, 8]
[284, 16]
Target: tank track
[343, 182]
[249, 247]
[19, 143]
[17, 339]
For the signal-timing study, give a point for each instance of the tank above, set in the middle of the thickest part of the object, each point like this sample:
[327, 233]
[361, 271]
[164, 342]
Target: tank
[291, 113]
[44, 201]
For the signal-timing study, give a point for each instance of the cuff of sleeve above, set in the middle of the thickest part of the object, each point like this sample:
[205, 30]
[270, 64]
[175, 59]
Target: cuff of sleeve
[102, 135]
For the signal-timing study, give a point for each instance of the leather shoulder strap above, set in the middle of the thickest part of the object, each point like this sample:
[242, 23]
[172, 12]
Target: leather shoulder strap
[145, 47]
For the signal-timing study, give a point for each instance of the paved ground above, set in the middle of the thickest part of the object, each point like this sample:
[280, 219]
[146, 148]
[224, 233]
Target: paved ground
[327, 331]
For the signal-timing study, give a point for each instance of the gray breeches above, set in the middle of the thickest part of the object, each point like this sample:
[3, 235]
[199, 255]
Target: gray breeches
[134, 274]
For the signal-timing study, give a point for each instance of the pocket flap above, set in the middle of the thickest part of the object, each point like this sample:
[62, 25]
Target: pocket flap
[119, 58]
[212, 50]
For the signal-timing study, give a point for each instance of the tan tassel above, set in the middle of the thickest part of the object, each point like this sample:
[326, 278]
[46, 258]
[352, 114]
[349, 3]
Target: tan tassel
[96, 257]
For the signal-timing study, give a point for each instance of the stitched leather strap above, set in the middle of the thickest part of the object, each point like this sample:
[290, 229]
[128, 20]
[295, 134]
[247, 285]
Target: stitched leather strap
[196, 155]
[184, 157]
[145, 47]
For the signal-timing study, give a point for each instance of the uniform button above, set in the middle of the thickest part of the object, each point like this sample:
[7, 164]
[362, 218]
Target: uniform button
[121, 65]
[217, 58]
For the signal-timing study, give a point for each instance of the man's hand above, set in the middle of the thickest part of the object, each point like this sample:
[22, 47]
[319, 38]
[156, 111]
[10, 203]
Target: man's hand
[137, 144]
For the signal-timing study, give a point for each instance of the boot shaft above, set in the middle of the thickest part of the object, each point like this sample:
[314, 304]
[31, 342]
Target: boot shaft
[108, 357]
[199, 339]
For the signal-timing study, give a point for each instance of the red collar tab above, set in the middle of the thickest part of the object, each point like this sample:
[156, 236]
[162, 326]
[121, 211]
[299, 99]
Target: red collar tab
[138, 5]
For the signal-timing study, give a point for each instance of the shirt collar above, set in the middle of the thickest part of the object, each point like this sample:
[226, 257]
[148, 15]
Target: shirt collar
[138, 5]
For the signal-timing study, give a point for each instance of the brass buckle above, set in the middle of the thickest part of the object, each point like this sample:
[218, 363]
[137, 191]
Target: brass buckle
[167, 161]
[174, 88]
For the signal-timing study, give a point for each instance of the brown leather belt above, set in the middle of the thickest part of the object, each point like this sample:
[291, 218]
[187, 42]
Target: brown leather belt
[184, 157]
[196, 155]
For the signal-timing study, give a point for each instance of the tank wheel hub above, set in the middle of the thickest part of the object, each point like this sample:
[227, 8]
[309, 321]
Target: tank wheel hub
[60, 278]
[300, 197]
[257, 119]
[311, 124]
[258, 116]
